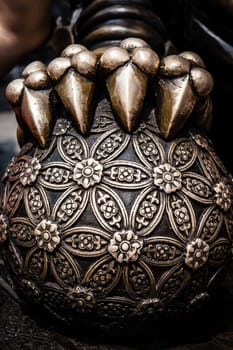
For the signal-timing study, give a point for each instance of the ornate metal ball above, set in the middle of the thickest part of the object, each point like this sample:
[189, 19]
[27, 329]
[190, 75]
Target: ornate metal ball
[115, 228]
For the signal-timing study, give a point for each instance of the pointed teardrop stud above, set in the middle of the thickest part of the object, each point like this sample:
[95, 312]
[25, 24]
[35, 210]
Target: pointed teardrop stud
[36, 113]
[175, 104]
[76, 94]
[128, 69]
[127, 88]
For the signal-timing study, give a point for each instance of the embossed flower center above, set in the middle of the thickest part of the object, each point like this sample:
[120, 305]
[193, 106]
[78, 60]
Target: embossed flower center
[125, 174]
[147, 210]
[109, 209]
[109, 145]
[125, 246]
[86, 242]
[88, 172]
[30, 171]
[223, 195]
[149, 148]
[47, 235]
[197, 253]
[167, 178]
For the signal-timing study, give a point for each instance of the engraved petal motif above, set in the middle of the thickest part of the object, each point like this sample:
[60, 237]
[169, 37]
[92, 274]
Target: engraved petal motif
[64, 268]
[13, 199]
[208, 166]
[54, 297]
[139, 280]
[3, 196]
[21, 231]
[69, 206]
[182, 154]
[27, 148]
[197, 187]
[61, 127]
[148, 148]
[103, 119]
[8, 170]
[36, 203]
[162, 251]
[228, 218]
[36, 263]
[116, 308]
[56, 176]
[217, 160]
[181, 215]
[109, 209]
[220, 251]
[72, 148]
[201, 141]
[211, 224]
[103, 275]
[125, 174]
[110, 145]
[147, 211]
[85, 241]
[42, 153]
[15, 259]
[198, 283]
[172, 283]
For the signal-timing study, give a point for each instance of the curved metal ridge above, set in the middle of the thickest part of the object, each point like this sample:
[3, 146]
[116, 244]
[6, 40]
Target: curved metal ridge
[126, 11]
[104, 21]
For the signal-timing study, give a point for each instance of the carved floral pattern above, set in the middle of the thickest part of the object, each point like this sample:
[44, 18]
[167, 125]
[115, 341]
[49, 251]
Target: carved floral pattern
[30, 171]
[197, 254]
[88, 172]
[119, 223]
[81, 299]
[167, 178]
[223, 195]
[47, 235]
[125, 246]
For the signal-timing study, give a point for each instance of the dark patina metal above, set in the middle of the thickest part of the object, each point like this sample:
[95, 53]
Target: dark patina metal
[114, 216]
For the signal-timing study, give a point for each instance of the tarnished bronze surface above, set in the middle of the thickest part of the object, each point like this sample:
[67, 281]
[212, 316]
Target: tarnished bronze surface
[117, 212]
[113, 228]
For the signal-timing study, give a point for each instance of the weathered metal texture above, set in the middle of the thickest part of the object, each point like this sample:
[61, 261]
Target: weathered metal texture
[117, 212]
[115, 229]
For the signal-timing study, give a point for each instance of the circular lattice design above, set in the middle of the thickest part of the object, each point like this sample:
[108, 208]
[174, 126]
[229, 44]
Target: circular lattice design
[116, 227]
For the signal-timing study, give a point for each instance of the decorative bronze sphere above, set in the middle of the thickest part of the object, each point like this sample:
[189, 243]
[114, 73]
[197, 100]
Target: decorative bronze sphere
[118, 225]
[116, 228]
